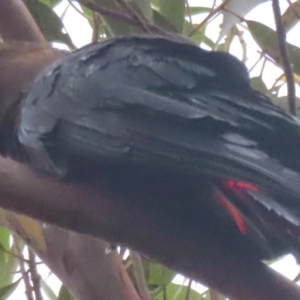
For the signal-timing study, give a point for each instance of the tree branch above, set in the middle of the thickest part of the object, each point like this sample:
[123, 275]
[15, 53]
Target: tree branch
[19, 64]
[16, 23]
[96, 212]
[281, 35]
[124, 17]
[35, 277]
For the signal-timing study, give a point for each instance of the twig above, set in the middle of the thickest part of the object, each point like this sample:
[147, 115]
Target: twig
[14, 255]
[134, 15]
[210, 15]
[294, 8]
[214, 4]
[255, 64]
[35, 277]
[188, 290]
[281, 36]
[122, 17]
[262, 67]
[96, 19]
[25, 275]
[240, 36]
[80, 12]
[63, 15]
[276, 81]
[188, 9]
[139, 275]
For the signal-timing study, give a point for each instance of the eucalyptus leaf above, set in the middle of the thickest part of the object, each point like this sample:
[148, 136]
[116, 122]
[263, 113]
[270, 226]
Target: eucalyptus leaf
[116, 26]
[234, 10]
[266, 38]
[64, 294]
[174, 12]
[162, 22]
[199, 36]
[180, 292]
[7, 290]
[7, 262]
[258, 84]
[4, 237]
[196, 10]
[144, 7]
[157, 277]
[283, 103]
[290, 17]
[51, 3]
[49, 23]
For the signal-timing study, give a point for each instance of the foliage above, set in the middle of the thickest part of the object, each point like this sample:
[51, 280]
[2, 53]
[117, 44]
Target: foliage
[166, 17]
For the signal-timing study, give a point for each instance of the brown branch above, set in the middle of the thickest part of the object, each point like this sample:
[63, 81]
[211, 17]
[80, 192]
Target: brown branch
[188, 9]
[19, 64]
[78, 10]
[25, 275]
[139, 20]
[82, 263]
[122, 17]
[16, 23]
[209, 16]
[96, 20]
[188, 289]
[101, 213]
[242, 41]
[281, 36]
[294, 8]
[35, 277]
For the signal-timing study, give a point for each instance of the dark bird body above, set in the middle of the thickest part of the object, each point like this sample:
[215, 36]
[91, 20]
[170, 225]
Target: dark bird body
[154, 117]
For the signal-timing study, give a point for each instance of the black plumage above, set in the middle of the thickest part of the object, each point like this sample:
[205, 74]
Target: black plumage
[141, 113]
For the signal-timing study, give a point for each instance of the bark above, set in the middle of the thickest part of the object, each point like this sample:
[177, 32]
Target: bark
[95, 212]
[16, 23]
[79, 261]
[100, 213]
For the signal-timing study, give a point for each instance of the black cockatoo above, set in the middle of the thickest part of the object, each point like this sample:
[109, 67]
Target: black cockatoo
[150, 114]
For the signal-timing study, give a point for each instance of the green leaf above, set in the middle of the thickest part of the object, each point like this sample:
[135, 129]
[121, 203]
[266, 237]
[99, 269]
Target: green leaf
[64, 294]
[157, 276]
[266, 38]
[258, 84]
[283, 103]
[117, 27]
[174, 12]
[7, 290]
[51, 3]
[4, 237]
[289, 17]
[49, 23]
[179, 292]
[144, 7]
[198, 37]
[162, 22]
[8, 263]
[196, 10]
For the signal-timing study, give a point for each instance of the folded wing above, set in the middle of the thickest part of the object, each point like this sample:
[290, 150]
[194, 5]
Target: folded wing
[150, 101]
